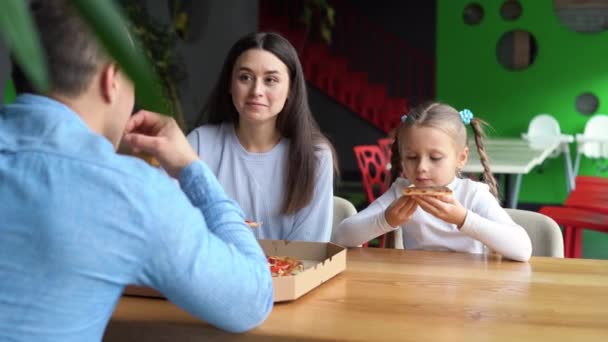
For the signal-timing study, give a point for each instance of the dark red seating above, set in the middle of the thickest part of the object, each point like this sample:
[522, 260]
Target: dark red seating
[376, 86]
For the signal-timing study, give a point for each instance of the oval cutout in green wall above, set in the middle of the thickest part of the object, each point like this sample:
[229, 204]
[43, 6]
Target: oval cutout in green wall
[516, 50]
[587, 103]
[472, 14]
[510, 10]
[582, 16]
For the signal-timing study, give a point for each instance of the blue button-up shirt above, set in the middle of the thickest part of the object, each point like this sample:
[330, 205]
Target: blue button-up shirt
[78, 222]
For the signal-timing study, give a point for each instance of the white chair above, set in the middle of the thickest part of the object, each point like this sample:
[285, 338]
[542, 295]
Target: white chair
[543, 131]
[398, 239]
[593, 143]
[545, 233]
[342, 210]
[542, 126]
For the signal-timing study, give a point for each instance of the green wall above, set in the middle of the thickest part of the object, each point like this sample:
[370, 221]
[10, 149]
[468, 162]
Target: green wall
[567, 64]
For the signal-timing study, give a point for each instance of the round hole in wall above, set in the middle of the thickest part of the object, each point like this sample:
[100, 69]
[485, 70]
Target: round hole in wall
[582, 16]
[472, 14]
[510, 10]
[587, 103]
[516, 50]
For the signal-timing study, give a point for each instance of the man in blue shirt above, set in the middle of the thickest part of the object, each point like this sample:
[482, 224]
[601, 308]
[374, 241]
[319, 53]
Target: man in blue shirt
[78, 222]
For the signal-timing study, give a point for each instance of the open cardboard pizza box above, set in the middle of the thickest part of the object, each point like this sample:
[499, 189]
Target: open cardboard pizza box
[322, 261]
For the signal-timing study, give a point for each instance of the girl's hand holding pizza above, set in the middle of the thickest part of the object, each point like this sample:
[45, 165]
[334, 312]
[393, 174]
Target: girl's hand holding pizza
[446, 208]
[400, 211]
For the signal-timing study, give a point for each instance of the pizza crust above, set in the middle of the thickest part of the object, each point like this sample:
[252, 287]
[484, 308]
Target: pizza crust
[253, 224]
[427, 191]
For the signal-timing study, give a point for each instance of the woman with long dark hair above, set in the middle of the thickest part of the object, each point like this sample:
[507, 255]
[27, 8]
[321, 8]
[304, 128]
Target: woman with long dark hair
[263, 143]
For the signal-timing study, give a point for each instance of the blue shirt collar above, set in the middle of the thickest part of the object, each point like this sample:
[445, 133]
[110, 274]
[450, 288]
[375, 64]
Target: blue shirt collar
[50, 105]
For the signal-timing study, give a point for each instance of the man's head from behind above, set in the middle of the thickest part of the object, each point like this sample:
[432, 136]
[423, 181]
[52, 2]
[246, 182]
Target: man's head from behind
[81, 74]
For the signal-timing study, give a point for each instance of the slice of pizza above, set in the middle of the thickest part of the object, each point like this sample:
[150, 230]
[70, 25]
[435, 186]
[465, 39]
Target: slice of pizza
[427, 191]
[283, 266]
[253, 224]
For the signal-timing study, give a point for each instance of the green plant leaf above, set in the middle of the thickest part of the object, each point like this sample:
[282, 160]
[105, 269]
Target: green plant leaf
[109, 23]
[306, 16]
[18, 30]
[331, 16]
[326, 34]
[9, 92]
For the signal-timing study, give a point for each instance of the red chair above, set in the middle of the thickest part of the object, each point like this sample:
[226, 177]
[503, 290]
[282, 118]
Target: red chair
[586, 207]
[386, 144]
[575, 221]
[602, 181]
[593, 200]
[591, 184]
[372, 164]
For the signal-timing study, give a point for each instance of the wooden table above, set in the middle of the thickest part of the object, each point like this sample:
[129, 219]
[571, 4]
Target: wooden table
[398, 295]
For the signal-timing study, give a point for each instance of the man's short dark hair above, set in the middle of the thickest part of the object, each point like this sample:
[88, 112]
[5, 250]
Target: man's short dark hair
[72, 51]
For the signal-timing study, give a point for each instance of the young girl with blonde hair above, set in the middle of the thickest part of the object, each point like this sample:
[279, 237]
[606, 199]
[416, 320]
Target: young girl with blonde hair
[430, 149]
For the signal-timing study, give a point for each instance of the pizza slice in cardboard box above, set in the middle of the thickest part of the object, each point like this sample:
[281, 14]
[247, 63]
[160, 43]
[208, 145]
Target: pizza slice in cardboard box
[320, 262]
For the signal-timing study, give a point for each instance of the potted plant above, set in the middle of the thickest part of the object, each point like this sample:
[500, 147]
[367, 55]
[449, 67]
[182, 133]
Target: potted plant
[319, 18]
[159, 43]
[107, 21]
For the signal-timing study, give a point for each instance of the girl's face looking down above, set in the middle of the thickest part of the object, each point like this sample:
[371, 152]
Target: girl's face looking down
[430, 157]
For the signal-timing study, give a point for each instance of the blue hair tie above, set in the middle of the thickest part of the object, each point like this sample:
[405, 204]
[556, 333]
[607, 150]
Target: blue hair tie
[466, 116]
[404, 118]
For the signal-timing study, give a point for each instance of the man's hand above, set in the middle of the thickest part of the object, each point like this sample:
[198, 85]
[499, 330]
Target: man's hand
[160, 137]
[446, 208]
[400, 211]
